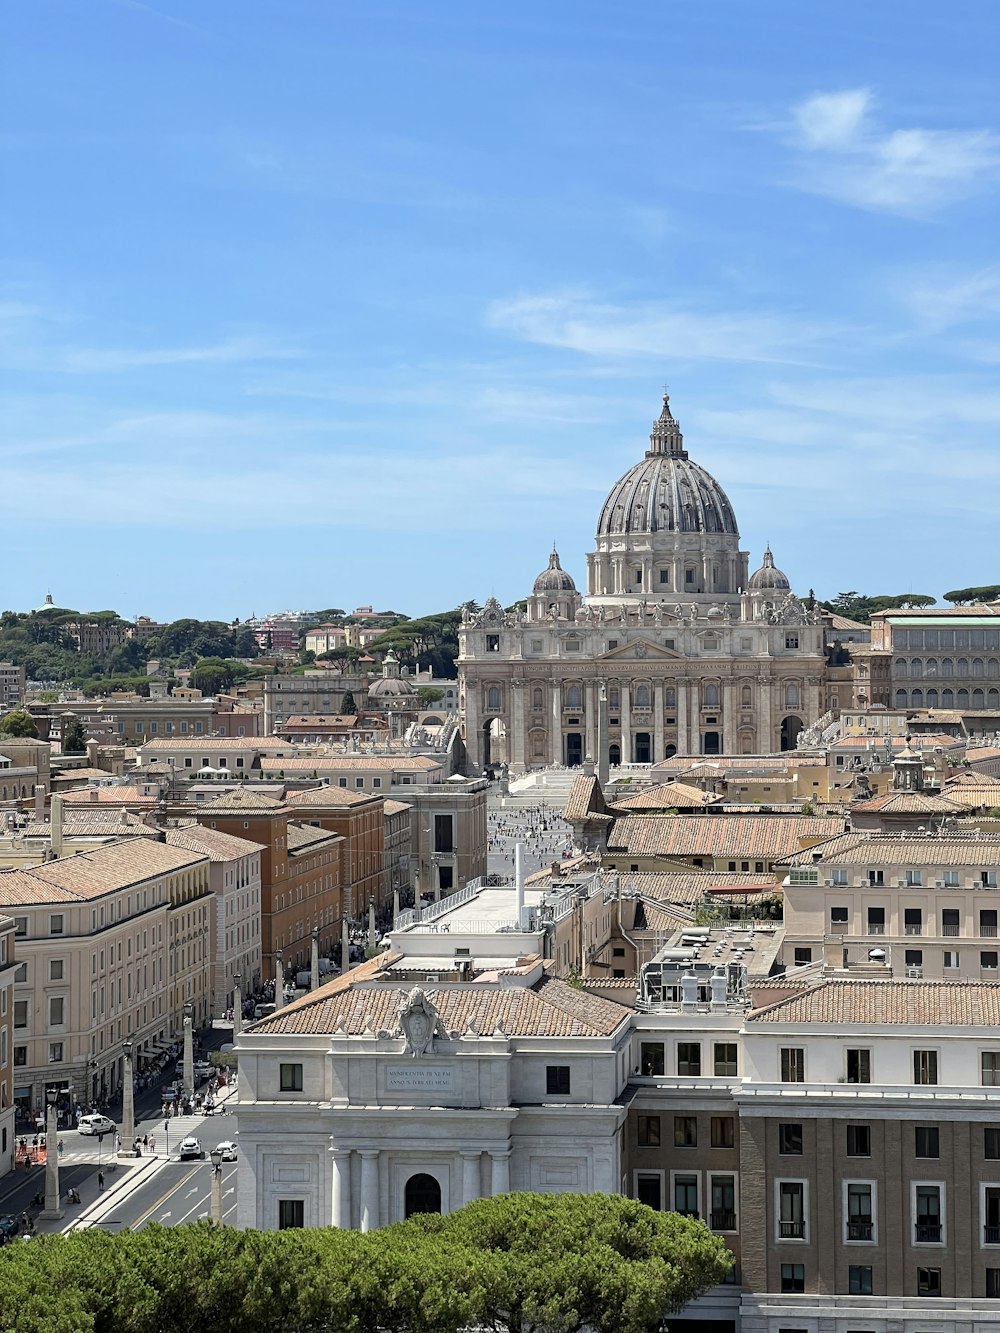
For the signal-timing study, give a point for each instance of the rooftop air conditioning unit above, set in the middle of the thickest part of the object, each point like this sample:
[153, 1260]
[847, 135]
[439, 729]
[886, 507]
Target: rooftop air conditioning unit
[432, 976]
[914, 973]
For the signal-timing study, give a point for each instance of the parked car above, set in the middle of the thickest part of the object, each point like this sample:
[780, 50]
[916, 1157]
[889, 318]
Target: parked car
[203, 1070]
[190, 1147]
[96, 1124]
[228, 1151]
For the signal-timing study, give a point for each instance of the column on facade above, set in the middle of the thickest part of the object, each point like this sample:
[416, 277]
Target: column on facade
[659, 743]
[626, 721]
[499, 1172]
[590, 721]
[729, 743]
[556, 740]
[340, 1202]
[369, 1191]
[694, 717]
[517, 746]
[682, 718]
[813, 700]
[765, 741]
[470, 1176]
[473, 727]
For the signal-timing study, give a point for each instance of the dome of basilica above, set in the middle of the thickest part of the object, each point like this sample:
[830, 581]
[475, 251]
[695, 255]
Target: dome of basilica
[667, 492]
[554, 578]
[768, 578]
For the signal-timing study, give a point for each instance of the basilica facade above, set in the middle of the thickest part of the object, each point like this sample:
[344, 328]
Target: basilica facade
[675, 648]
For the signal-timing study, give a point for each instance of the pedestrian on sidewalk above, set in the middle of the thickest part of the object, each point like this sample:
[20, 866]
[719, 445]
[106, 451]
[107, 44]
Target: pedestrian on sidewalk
[100, 1182]
[145, 1140]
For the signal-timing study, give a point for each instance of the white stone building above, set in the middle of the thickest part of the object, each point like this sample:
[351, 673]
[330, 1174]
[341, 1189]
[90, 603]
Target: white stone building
[674, 648]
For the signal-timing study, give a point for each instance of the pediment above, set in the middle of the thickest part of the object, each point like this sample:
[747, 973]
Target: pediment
[641, 649]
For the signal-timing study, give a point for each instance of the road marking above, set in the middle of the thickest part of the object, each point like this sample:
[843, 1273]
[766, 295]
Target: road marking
[161, 1201]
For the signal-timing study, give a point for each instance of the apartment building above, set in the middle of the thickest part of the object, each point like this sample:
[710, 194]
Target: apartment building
[234, 874]
[301, 873]
[924, 904]
[11, 687]
[138, 720]
[111, 942]
[8, 967]
[309, 693]
[356, 772]
[359, 818]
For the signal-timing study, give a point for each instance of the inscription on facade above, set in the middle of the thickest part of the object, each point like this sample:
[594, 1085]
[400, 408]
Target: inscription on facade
[419, 1078]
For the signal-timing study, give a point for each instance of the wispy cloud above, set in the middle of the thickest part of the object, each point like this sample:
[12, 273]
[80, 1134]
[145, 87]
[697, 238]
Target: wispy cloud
[943, 297]
[654, 331]
[846, 154]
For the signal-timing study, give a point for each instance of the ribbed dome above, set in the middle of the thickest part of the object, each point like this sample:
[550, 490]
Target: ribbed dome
[666, 492]
[555, 578]
[391, 687]
[769, 578]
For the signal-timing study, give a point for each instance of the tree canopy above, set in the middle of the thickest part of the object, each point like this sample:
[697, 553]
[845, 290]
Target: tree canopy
[967, 596]
[19, 723]
[859, 606]
[74, 737]
[518, 1263]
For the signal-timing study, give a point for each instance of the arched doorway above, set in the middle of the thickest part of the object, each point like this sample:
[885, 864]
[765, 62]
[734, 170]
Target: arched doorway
[423, 1195]
[670, 751]
[643, 748]
[614, 755]
[790, 728]
[495, 742]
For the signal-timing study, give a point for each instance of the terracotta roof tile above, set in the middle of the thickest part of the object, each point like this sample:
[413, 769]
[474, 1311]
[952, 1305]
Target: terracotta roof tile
[211, 842]
[326, 763]
[92, 874]
[692, 889]
[738, 837]
[950, 850]
[585, 800]
[549, 1008]
[852, 1003]
[331, 796]
[667, 796]
[243, 799]
[909, 803]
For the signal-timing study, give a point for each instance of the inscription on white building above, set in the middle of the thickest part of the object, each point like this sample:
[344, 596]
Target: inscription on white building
[419, 1078]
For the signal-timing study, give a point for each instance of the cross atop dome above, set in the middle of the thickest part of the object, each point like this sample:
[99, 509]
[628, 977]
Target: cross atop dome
[666, 437]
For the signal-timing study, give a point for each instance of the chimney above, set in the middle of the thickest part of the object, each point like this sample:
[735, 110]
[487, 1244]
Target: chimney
[720, 988]
[689, 992]
[39, 803]
[56, 826]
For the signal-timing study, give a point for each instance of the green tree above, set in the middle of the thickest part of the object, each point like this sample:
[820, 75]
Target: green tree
[965, 596]
[74, 738]
[347, 704]
[429, 696]
[19, 722]
[211, 675]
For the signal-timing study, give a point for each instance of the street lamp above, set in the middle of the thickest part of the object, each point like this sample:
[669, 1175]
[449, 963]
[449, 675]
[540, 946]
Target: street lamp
[237, 1005]
[128, 1099]
[188, 1049]
[52, 1209]
[216, 1158]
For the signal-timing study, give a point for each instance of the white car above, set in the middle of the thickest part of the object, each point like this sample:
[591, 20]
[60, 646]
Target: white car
[190, 1147]
[228, 1151]
[202, 1069]
[96, 1124]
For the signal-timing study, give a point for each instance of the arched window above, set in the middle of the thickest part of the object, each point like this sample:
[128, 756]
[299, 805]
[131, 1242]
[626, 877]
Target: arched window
[947, 698]
[916, 698]
[791, 696]
[573, 696]
[900, 698]
[963, 666]
[916, 669]
[978, 667]
[932, 698]
[670, 697]
[422, 1195]
[493, 699]
[536, 698]
[746, 697]
[900, 668]
[993, 669]
[931, 666]
[711, 696]
[642, 696]
[962, 698]
[978, 699]
[947, 666]
[993, 699]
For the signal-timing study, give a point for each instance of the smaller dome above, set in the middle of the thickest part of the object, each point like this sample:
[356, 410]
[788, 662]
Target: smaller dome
[555, 578]
[392, 687]
[769, 577]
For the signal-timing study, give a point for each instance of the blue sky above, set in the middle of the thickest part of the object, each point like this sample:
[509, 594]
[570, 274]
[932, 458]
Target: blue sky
[310, 303]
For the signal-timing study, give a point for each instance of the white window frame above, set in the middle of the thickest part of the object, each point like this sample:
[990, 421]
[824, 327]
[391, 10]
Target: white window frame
[992, 1245]
[873, 1186]
[943, 1195]
[699, 1187]
[779, 1239]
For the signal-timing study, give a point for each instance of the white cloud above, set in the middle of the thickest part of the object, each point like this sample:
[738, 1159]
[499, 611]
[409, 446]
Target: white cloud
[846, 155]
[941, 298]
[655, 331]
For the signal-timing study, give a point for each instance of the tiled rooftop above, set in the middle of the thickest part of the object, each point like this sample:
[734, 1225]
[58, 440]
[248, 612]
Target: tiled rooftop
[910, 803]
[745, 837]
[325, 763]
[244, 800]
[667, 796]
[92, 874]
[948, 850]
[213, 843]
[549, 1008]
[854, 1003]
[338, 797]
[691, 889]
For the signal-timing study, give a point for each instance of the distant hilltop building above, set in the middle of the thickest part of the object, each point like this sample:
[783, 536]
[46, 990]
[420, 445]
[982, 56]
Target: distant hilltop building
[675, 648]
